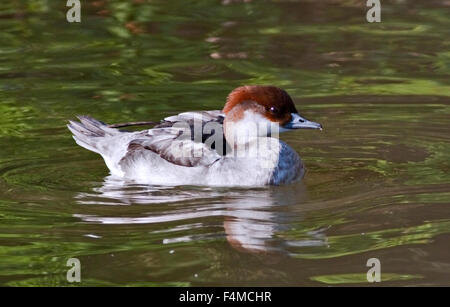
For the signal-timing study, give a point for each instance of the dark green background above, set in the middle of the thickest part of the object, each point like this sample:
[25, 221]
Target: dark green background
[378, 180]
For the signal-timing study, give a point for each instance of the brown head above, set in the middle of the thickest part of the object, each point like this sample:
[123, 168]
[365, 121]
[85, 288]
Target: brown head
[257, 104]
[276, 104]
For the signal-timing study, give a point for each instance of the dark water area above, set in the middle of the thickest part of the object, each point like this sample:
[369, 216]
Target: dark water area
[378, 176]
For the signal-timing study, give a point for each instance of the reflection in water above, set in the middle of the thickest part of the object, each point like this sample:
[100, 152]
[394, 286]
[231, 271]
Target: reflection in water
[251, 217]
[379, 175]
[116, 191]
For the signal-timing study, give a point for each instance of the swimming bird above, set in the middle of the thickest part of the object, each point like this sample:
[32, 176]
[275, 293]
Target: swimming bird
[235, 146]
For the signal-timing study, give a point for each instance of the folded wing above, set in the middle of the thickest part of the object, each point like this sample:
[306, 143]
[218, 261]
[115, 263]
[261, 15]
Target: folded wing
[182, 139]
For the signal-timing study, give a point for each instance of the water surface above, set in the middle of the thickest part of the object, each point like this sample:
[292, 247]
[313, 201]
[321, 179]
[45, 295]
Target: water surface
[378, 176]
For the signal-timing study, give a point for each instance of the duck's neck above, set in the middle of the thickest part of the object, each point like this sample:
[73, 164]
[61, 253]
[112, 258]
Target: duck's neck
[247, 127]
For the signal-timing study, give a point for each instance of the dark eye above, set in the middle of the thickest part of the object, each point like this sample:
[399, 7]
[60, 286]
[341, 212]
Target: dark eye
[274, 110]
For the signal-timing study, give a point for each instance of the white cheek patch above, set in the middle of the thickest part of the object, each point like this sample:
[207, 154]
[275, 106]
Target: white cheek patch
[249, 127]
[253, 136]
[257, 125]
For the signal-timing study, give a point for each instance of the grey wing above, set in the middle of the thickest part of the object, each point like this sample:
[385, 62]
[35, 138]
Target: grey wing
[204, 116]
[206, 127]
[190, 118]
[173, 144]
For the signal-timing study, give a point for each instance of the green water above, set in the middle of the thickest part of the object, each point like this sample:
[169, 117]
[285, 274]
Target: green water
[378, 176]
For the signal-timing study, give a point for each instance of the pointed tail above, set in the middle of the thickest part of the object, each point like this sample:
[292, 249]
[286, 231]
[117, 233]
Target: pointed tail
[89, 131]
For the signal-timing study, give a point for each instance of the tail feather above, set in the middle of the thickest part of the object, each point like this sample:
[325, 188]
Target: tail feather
[88, 131]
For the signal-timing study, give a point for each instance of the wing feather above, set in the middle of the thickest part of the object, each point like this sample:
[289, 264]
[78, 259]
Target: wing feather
[174, 140]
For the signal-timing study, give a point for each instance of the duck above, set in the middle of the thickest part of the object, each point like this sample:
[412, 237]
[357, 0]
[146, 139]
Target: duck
[236, 146]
